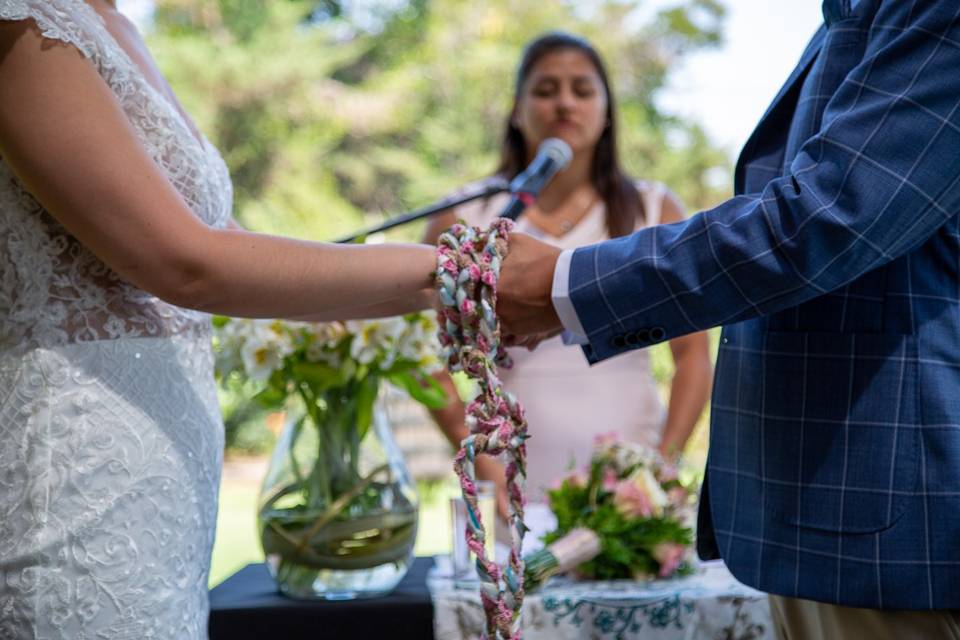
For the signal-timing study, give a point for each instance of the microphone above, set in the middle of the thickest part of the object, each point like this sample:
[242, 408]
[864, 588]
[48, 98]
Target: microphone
[553, 155]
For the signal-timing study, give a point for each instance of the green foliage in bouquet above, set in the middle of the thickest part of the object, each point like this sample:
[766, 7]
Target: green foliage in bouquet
[638, 507]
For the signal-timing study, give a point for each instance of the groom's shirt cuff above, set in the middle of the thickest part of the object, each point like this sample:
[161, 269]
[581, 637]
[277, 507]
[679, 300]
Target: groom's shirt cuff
[560, 295]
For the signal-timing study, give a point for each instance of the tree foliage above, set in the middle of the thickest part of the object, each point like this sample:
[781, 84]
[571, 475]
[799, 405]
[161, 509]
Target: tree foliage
[332, 115]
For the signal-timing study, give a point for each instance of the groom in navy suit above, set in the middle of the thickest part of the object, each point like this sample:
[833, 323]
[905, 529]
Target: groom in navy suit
[833, 477]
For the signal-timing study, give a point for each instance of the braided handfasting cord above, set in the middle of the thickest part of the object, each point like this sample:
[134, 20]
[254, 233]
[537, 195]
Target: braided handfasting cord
[468, 269]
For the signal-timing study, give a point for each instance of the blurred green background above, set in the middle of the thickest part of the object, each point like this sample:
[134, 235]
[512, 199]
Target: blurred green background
[334, 116]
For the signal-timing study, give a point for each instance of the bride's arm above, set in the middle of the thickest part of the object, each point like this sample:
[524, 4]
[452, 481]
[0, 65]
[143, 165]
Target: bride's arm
[423, 299]
[66, 137]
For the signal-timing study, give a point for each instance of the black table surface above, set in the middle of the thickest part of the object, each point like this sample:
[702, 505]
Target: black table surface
[247, 605]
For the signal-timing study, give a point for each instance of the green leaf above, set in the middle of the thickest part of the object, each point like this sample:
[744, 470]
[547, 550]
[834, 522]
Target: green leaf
[366, 395]
[271, 397]
[399, 367]
[319, 376]
[616, 551]
[425, 389]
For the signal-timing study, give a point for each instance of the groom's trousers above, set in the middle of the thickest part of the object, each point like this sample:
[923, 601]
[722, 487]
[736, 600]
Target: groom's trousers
[797, 619]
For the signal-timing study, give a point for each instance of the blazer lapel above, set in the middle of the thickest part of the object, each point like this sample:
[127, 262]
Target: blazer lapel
[796, 76]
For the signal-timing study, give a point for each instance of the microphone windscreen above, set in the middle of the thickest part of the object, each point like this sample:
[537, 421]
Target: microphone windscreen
[558, 151]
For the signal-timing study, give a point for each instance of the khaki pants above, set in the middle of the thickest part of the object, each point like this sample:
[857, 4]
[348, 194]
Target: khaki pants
[795, 619]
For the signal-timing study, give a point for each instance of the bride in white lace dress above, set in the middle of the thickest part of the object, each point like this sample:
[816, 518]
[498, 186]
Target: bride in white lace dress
[115, 241]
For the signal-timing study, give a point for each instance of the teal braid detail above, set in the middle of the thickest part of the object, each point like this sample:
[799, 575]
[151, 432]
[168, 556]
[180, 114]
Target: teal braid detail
[468, 269]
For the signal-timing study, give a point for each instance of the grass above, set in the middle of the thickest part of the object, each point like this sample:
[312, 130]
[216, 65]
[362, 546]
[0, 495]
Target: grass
[236, 543]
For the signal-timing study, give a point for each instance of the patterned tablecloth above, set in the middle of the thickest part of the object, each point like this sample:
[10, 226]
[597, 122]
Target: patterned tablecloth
[708, 605]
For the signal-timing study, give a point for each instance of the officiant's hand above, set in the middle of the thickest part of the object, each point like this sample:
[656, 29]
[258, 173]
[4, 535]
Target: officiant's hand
[526, 280]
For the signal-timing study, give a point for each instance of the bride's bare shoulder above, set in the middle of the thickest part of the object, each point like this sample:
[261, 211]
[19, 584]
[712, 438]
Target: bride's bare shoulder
[25, 36]
[40, 77]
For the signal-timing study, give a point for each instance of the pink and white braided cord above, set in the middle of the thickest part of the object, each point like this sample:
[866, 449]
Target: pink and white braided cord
[468, 269]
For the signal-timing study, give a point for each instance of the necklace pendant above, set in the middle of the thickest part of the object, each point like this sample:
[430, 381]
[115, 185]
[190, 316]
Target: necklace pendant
[566, 225]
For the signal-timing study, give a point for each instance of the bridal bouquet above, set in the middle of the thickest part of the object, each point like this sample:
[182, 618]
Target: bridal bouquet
[337, 512]
[636, 505]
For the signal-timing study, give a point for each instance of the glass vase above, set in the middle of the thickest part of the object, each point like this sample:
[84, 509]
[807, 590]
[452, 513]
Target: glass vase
[337, 511]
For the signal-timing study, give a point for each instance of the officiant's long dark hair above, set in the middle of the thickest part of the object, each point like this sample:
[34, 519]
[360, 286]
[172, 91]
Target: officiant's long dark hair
[617, 190]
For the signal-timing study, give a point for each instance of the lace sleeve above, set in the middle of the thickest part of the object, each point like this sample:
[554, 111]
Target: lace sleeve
[53, 18]
[53, 290]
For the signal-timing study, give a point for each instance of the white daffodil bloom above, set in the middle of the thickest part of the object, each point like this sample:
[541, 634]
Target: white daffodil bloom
[366, 341]
[264, 349]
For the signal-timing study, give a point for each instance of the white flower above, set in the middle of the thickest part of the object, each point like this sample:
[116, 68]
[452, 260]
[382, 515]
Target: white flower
[264, 348]
[319, 352]
[391, 332]
[649, 485]
[229, 342]
[366, 341]
[419, 342]
[393, 328]
[623, 457]
[328, 334]
[411, 347]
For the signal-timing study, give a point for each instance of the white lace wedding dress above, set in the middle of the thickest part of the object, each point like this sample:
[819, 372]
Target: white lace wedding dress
[110, 432]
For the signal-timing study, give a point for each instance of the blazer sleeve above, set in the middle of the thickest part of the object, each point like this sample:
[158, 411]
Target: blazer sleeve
[880, 177]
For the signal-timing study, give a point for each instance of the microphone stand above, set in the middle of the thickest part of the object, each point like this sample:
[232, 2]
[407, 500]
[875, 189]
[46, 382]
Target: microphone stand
[491, 189]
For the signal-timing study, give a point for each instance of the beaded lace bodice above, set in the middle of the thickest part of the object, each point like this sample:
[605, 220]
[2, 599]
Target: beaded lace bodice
[53, 291]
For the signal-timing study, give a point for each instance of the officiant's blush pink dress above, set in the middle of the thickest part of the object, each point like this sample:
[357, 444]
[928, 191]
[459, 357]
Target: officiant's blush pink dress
[568, 403]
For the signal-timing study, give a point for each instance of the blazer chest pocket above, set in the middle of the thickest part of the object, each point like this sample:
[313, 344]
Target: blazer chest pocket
[840, 429]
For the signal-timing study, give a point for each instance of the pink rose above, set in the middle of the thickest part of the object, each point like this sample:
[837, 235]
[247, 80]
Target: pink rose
[669, 555]
[467, 307]
[677, 496]
[631, 501]
[606, 439]
[668, 473]
[576, 479]
[488, 278]
[610, 480]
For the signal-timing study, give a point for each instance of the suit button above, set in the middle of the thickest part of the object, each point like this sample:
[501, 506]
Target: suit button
[630, 339]
[657, 334]
[643, 336]
[618, 342]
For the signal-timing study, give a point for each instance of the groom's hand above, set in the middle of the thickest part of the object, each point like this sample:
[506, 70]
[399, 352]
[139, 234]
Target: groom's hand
[526, 281]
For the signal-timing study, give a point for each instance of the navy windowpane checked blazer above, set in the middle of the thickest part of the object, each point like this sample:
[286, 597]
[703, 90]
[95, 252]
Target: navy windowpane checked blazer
[834, 464]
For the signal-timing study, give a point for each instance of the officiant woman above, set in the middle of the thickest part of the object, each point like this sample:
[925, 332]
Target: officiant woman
[562, 91]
